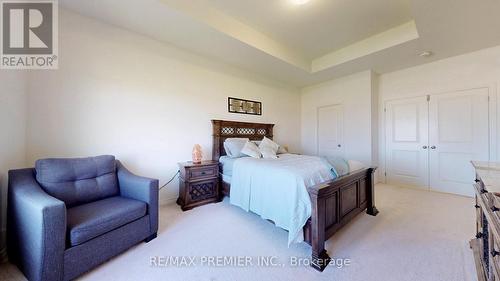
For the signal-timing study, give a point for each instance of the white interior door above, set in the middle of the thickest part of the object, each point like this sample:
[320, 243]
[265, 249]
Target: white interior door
[330, 131]
[407, 156]
[458, 133]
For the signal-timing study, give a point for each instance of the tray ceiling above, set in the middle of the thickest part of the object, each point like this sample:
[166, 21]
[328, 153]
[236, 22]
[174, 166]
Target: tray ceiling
[310, 43]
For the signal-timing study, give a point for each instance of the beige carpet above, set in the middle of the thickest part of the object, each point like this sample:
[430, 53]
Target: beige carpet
[418, 235]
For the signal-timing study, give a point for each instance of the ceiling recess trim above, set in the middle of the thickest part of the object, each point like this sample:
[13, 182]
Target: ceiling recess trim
[237, 30]
[246, 34]
[384, 40]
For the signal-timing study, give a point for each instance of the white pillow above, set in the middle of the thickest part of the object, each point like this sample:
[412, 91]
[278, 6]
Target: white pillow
[355, 165]
[257, 143]
[251, 149]
[270, 144]
[282, 150]
[268, 153]
[233, 146]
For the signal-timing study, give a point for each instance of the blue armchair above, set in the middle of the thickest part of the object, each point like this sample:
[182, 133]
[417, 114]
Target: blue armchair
[67, 216]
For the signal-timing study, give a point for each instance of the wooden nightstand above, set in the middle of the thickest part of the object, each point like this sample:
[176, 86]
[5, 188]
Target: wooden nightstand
[198, 184]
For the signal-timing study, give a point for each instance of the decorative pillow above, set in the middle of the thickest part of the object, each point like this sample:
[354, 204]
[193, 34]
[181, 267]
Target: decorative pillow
[330, 167]
[355, 165]
[282, 150]
[251, 149]
[270, 144]
[339, 164]
[233, 146]
[257, 143]
[268, 153]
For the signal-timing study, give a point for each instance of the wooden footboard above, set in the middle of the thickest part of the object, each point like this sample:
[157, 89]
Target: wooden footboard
[334, 204]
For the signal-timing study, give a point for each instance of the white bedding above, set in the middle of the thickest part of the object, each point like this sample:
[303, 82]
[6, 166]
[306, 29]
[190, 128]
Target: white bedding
[227, 164]
[276, 189]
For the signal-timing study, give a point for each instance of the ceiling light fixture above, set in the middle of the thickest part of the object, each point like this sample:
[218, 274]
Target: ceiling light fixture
[425, 54]
[299, 2]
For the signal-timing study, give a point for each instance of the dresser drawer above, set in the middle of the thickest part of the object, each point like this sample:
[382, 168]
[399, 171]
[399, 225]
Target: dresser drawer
[202, 172]
[494, 258]
[479, 182]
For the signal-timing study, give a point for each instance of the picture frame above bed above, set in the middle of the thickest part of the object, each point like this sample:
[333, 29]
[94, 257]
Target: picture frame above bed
[334, 203]
[242, 106]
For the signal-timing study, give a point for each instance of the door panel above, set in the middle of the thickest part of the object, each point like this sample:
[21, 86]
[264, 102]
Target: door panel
[406, 122]
[406, 163]
[330, 131]
[406, 142]
[458, 133]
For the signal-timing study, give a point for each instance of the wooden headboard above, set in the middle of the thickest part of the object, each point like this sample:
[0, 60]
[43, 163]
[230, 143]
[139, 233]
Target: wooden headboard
[232, 129]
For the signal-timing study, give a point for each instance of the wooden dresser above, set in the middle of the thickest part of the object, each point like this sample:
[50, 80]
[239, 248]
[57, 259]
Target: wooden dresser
[198, 184]
[486, 245]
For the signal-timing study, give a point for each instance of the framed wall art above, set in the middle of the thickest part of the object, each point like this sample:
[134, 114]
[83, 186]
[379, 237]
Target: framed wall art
[242, 106]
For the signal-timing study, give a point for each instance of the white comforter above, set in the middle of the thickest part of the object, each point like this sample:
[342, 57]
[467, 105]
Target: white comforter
[276, 189]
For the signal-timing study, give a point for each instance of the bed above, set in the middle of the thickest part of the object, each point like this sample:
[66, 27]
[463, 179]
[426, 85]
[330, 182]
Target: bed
[333, 203]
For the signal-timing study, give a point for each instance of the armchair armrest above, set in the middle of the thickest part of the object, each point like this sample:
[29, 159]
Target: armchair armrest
[140, 188]
[36, 230]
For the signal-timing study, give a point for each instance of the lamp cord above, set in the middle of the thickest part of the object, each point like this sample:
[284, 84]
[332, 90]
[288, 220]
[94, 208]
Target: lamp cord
[178, 171]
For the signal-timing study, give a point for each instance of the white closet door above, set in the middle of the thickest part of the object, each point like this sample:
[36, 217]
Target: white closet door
[330, 131]
[407, 142]
[458, 133]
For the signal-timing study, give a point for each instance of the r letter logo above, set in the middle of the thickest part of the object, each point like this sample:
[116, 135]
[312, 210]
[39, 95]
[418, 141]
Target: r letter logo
[29, 35]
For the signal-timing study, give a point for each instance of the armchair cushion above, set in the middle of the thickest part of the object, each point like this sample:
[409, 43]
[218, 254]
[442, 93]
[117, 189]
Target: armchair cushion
[90, 220]
[78, 180]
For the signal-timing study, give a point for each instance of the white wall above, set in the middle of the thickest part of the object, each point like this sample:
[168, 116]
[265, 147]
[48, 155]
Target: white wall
[12, 135]
[375, 123]
[477, 69]
[356, 94]
[148, 103]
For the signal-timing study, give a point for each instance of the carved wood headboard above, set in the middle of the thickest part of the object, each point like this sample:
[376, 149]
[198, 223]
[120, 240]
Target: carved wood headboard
[232, 129]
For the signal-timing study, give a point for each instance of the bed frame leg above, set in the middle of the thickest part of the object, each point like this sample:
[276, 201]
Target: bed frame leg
[320, 258]
[320, 261]
[371, 210]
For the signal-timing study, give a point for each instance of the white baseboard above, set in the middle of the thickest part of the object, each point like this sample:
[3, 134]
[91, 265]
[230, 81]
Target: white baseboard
[168, 201]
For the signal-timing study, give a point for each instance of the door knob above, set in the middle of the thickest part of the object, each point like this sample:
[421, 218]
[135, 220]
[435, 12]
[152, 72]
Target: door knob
[339, 145]
[424, 147]
[433, 147]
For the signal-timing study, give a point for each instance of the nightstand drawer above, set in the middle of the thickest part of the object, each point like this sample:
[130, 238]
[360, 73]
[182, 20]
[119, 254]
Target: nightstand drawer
[202, 172]
[202, 190]
[198, 184]
[197, 193]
